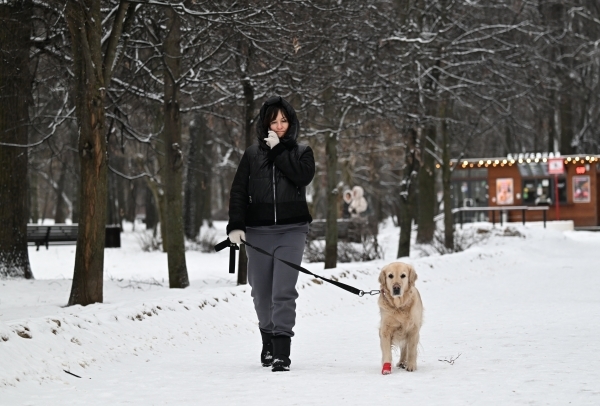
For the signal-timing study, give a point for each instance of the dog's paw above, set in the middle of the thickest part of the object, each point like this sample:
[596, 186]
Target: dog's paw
[410, 367]
[401, 365]
[387, 368]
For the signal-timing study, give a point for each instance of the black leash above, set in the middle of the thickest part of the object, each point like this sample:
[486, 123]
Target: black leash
[228, 243]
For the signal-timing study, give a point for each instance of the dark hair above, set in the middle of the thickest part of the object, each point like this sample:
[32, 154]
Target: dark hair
[271, 114]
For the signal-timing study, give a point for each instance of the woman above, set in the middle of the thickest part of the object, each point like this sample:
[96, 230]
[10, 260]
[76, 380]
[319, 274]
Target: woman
[267, 208]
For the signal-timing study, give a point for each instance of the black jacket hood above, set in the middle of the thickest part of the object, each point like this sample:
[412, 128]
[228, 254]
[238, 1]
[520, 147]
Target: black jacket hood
[290, 138]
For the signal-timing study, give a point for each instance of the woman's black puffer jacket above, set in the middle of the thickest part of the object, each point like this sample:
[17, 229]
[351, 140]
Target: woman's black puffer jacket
[270, 184]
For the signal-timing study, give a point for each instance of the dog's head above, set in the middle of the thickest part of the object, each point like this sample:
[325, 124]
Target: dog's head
[397, 278]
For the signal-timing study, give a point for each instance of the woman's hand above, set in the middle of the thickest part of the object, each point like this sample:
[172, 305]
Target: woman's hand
[272, 139]
[236, 236]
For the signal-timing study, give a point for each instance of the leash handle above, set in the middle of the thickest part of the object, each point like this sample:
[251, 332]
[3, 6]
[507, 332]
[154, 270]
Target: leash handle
[232, 259]
[232, 248]
[223, 244]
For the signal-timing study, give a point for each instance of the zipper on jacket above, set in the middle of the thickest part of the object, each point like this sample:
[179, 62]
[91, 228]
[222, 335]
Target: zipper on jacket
[274, 195]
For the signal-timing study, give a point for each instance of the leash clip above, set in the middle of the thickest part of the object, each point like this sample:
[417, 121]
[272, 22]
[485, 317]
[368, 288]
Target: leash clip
[372, 293]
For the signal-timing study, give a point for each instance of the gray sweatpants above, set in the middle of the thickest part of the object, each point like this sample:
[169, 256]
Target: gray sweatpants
[273, 282]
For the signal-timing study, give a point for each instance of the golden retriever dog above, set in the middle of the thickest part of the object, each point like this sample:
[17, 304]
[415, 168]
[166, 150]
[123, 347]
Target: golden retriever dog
[401, 315]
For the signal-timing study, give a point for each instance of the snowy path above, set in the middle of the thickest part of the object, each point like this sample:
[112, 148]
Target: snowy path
[522, 313]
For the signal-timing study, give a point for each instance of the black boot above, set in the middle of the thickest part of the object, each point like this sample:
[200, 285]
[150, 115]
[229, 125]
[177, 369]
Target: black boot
[281, 353]
[266, 355]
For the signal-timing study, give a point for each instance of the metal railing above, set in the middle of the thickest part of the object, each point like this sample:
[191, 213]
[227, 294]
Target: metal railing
[502, 210]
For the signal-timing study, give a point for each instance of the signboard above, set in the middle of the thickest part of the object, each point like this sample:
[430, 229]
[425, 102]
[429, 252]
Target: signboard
[556, 166]
[581, 189]
[504, 191]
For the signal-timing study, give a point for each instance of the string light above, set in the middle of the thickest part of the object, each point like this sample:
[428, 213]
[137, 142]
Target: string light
[523, 158]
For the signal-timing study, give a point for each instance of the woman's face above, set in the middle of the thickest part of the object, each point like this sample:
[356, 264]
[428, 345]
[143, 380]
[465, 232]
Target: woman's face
[280, 125]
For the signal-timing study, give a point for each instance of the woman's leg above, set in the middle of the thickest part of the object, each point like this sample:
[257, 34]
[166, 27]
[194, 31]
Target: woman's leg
[260, 278]
[290, 247]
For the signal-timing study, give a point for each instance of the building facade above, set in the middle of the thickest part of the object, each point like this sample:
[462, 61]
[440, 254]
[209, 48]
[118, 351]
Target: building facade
[531, 180]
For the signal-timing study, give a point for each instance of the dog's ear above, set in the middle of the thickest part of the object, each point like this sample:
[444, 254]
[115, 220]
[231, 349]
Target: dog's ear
[382, 277]
[412, 276]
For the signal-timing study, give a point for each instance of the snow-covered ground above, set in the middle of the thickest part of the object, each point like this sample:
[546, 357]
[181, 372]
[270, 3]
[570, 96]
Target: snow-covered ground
[511, 321]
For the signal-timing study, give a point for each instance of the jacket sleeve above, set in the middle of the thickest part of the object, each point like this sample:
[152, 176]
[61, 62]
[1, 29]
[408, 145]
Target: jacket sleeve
[238, 196]
[298, 165]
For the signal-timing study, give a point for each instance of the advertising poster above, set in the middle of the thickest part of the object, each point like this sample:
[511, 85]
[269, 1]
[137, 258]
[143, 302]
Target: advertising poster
[581, 189]
[504, 191]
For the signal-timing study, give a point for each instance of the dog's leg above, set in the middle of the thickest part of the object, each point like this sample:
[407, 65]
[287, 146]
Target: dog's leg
[385, 340]
[403, 354]
[411, 352]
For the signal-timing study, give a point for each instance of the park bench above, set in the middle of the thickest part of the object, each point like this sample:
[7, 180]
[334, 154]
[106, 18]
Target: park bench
[65, 234]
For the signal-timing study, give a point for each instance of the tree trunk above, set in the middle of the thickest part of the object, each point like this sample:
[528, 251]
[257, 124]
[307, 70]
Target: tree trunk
[197, 204]
[178, 276]
[405, 221]
[112, 204]
[566, 124]
[73, 158]
[60, 212]
[550, 120]
[33, 199]
[191, 195]
[509, 141]
[408, 192]
[426, 196]
[248, 123]
[132, 196]
[151, 208]
[446, 179]
[331, 230]
[160, 213]
[92, 73]
[121, 186]
[15, 96]
[205, 187]
[84, 20]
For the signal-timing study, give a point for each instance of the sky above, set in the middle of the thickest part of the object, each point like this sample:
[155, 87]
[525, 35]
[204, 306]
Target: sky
[512, 320]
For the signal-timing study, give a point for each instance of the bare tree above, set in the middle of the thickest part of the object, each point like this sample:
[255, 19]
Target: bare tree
[173, 169]
[93, 67]
[15, 99]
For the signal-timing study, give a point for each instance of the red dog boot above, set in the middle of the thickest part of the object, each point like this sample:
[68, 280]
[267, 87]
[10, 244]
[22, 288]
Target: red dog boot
[387, 369]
